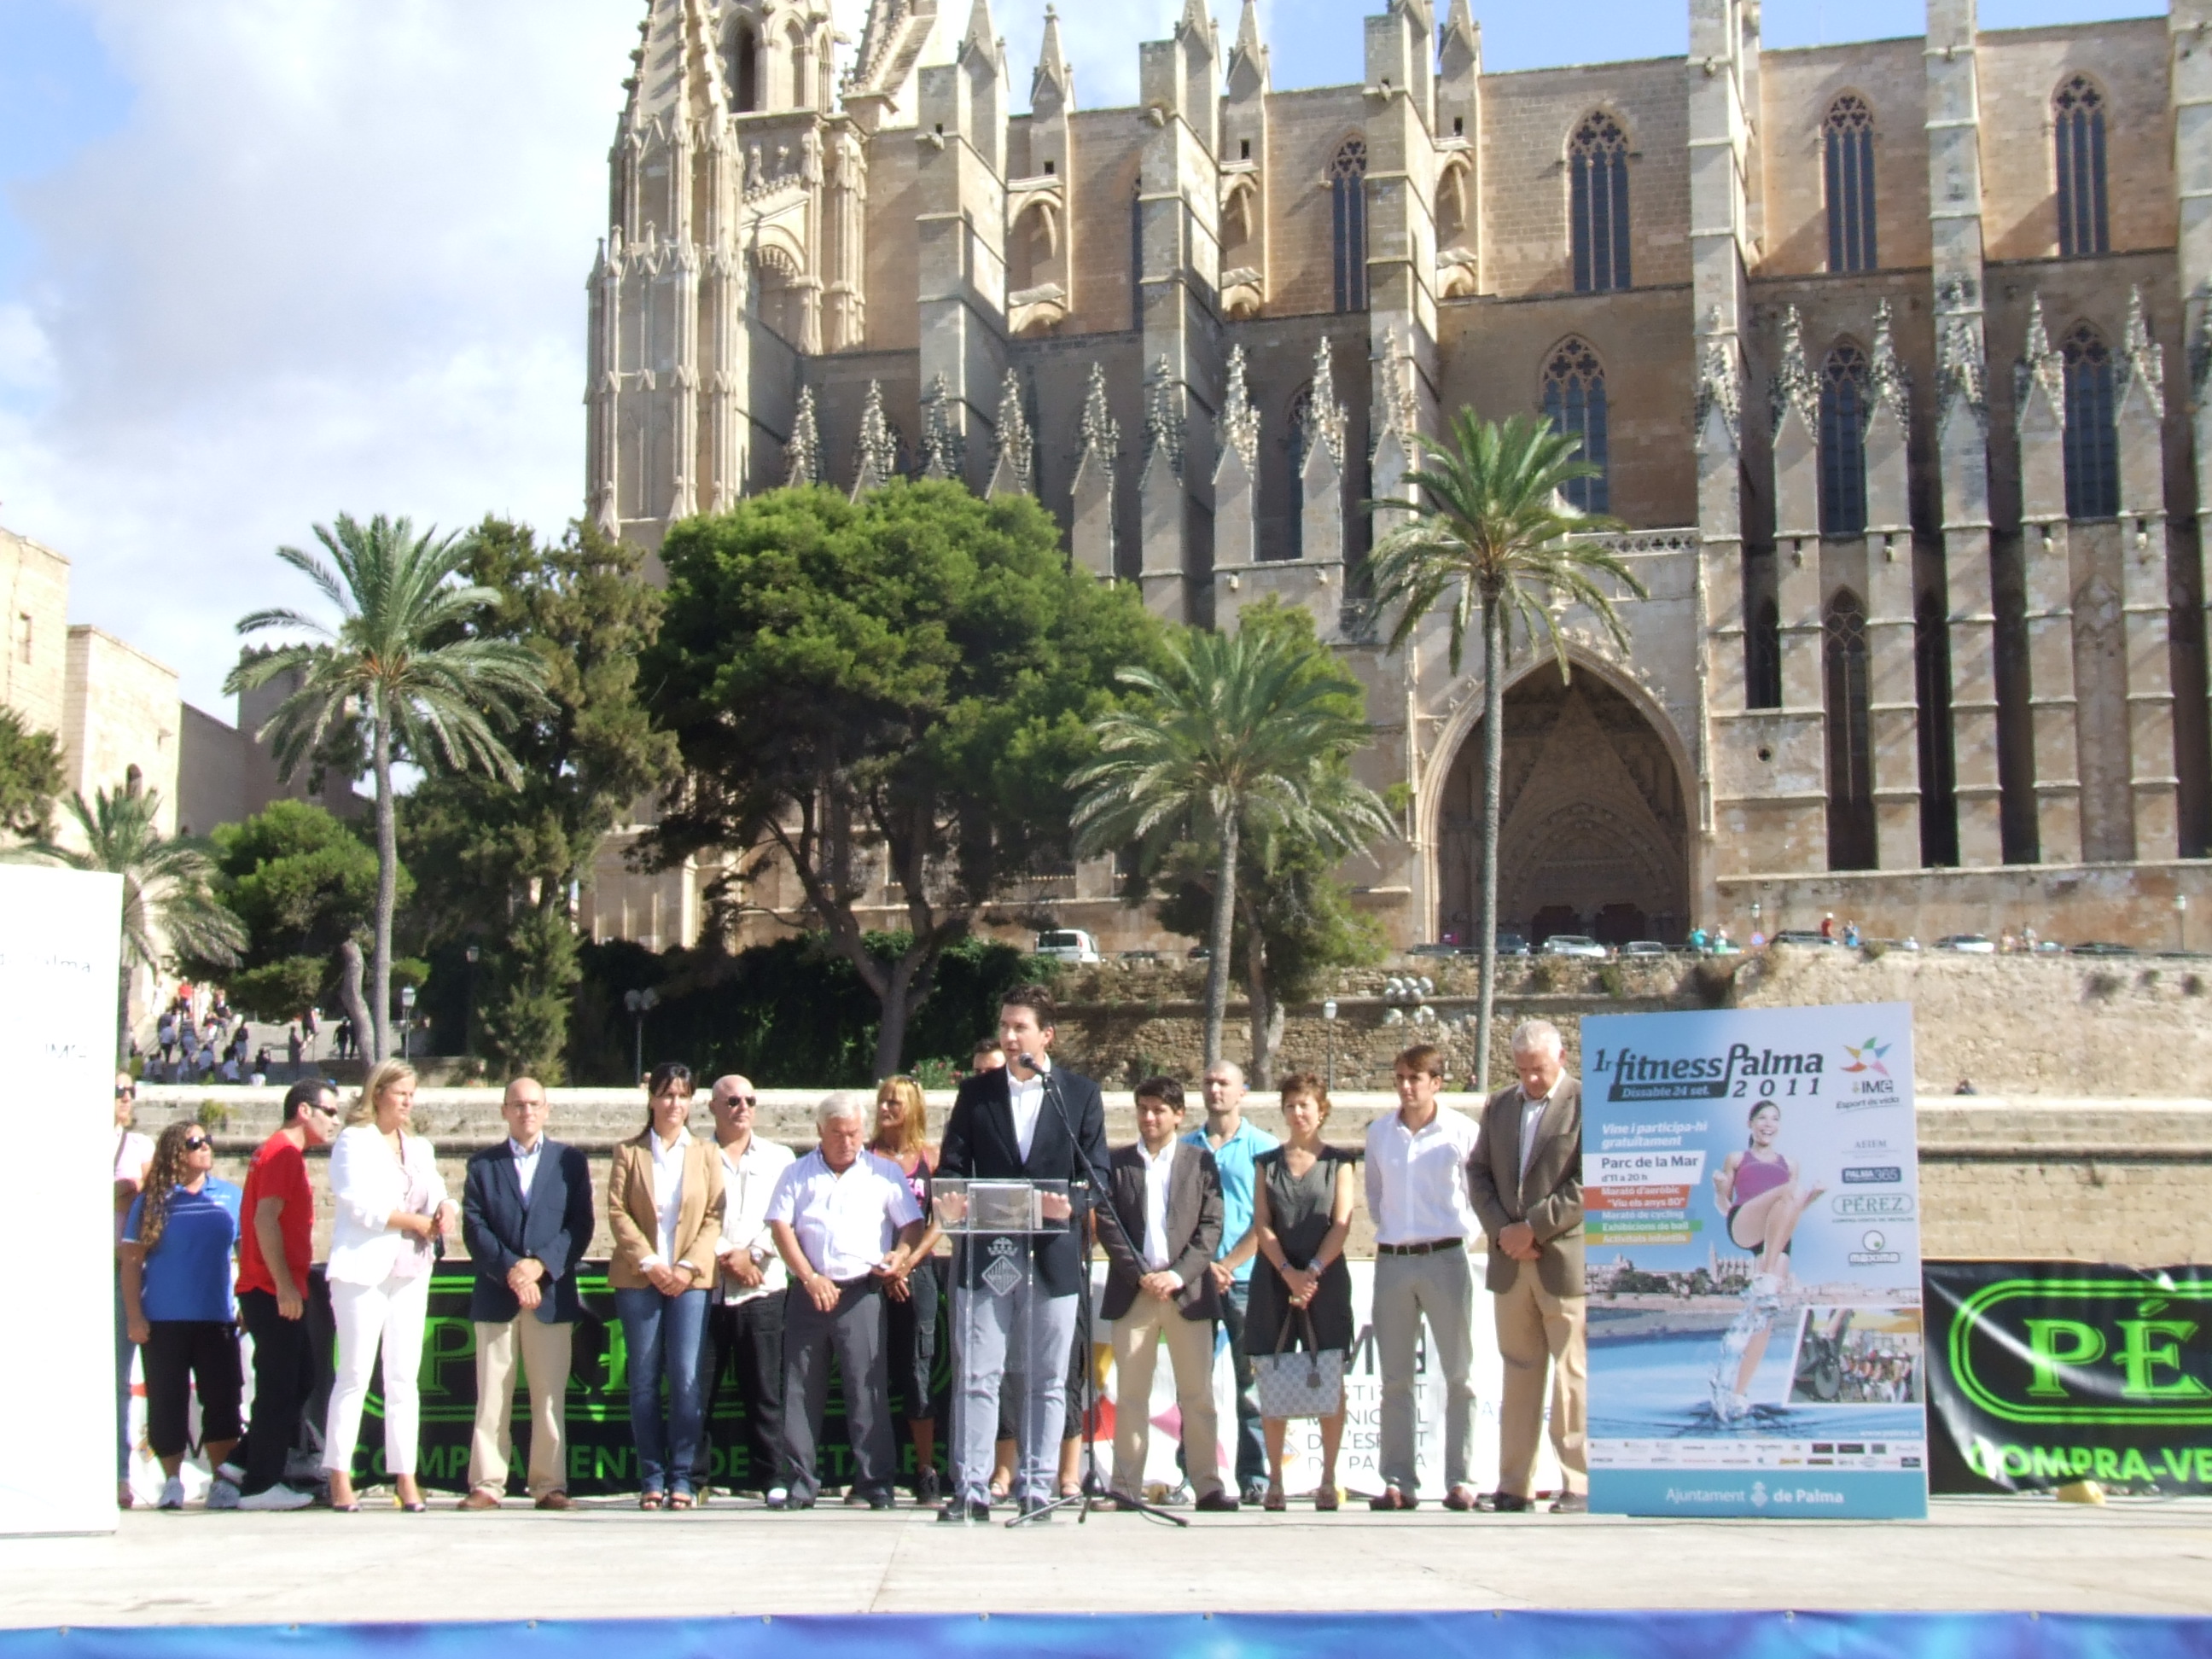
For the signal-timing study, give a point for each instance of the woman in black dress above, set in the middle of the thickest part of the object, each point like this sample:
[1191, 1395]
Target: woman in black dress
[1302, 1197]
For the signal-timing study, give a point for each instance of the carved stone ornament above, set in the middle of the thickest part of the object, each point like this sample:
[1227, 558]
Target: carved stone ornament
[802, 456]
[876, 454]
[1102, 434]
[1794, 384]
[2040, 367]
[1014, 445]
[2142, 360]
[944, 449]
[1164, 420]
[1886, 378]
[1719, 386]
[1324, 414]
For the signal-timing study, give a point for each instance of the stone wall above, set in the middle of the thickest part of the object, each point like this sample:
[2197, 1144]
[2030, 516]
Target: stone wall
[2102, 1179]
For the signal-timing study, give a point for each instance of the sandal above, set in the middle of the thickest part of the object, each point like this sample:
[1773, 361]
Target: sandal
[1328, 1497]
[1071, 1489]
[650, 1500]
[1274, 1502]
[680, 1500]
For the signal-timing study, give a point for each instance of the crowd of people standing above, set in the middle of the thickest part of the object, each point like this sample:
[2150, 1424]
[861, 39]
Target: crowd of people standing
[739, 1264]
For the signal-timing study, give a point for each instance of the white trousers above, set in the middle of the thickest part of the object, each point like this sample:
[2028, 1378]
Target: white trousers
[391, 1315]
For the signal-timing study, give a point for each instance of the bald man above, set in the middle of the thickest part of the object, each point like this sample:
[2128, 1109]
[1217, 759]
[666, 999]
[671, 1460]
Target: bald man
[745, 1324]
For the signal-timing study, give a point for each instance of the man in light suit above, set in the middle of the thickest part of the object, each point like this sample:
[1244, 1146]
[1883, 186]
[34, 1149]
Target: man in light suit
[526, 1214]
[1029, 1121]
[1525, 1181]
[1159, 1284]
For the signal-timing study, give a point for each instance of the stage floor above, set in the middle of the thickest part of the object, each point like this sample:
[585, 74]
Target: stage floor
[2018, 1554]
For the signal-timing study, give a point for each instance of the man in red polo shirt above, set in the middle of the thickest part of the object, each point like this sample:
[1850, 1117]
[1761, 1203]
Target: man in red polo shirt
[275, 1248]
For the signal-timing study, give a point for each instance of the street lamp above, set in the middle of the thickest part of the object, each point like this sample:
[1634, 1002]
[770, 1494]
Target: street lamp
[2181, 918]
[406, 1022]
[1755, 921]
[1328, 1017]
[639, 1004]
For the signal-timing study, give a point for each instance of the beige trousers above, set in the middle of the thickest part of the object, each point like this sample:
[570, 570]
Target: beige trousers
[1137, 1336]
[543, 1350]
[1534, 1326]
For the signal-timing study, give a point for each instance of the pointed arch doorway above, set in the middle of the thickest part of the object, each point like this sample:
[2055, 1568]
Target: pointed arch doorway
[1593, 833]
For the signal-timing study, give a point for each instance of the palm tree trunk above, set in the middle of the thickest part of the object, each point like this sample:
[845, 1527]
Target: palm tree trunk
[1494, 754]
[1225, 924]
[123, 1013]
[387, 893]
[1267, 1017]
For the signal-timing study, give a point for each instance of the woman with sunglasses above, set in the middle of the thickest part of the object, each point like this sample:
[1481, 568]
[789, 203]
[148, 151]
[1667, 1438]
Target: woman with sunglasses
[176, 1250]
[910, 1297]
[392, 1208]
[664, 1206]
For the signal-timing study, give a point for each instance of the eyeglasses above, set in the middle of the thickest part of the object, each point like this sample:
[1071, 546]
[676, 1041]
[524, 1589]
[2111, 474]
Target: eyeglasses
[126, 1094]
[194, 1143]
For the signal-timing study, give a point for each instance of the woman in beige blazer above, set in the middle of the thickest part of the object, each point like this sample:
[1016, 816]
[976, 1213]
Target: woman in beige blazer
[665, 1206]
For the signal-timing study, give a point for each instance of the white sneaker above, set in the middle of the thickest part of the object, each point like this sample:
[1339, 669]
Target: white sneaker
[223, 1494]
[173, 1493]
[234, 1473]
[778, 1496]
[279, 1497]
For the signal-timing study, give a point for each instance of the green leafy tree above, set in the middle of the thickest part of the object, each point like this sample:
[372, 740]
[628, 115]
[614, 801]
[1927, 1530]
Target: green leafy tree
[1491, 536]
[169, 907]
[496, 862]
[1239, 739]
[391, 671]
[303, 883]
[904, 682]
[30, 778]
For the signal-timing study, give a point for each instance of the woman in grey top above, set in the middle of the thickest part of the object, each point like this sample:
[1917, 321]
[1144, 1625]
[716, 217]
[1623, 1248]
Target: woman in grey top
[1302, 1197]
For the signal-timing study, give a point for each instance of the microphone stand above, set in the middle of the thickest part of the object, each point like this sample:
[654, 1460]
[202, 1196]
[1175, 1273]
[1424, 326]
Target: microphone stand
[1094, 1488]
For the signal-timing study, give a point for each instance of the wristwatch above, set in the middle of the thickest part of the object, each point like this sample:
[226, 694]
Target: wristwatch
[759, 1254]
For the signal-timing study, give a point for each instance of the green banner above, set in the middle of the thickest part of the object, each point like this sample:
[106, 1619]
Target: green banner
[602, 1458]
[2050, 1372]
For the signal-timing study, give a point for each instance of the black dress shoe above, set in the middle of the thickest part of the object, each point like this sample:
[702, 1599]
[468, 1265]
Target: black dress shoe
[1504, 1503]
[879, 1499]
[796, 1502]
[928, 1488]
[1217, 1502]
[957, 1514]
[1570, 1503]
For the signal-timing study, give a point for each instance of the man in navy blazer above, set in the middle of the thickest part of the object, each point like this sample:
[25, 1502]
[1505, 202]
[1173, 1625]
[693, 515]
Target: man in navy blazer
[526, 1214]
[1027, 1121]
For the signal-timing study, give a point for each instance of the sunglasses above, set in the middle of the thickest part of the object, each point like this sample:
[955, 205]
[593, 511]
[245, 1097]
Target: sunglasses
[740, 1100]
[194, 1143]
[126, 1094]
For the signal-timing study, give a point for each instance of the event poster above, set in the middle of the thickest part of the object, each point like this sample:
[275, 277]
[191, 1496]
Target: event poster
[1751, 1194]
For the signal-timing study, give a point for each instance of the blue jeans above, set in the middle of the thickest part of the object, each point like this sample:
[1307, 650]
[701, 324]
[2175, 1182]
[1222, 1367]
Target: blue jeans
[663, 1334]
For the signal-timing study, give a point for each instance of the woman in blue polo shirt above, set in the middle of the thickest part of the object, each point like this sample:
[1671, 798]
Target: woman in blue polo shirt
[177, 1245]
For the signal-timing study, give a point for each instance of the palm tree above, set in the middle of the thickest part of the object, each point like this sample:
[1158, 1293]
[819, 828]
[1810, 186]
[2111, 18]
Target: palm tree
[1237, 737]
[168, 898]
[399, 663]
[1493, 533]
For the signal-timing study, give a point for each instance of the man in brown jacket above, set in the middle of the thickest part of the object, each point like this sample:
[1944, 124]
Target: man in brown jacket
[1525, 1179]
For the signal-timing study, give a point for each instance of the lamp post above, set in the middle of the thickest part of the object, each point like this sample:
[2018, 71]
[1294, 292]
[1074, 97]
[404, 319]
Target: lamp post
[1329, 1018]
[2181, 919]
[1755, 936]
[406, 1022]
[469, 1002]
[639, 1004]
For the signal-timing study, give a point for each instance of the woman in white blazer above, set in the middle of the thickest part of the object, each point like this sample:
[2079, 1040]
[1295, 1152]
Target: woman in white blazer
[391, 1203]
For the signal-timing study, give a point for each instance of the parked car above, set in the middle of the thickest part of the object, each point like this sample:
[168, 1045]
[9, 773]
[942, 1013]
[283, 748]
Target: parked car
[1644, 947]
[1970, 944]
[2098, 948]
[1574, 945]
[1801, 936]
[1068, 944]
[1141, 956]
[1509, 945]
[1434, 950]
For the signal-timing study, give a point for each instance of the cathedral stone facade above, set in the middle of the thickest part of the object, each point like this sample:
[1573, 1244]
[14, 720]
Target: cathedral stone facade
[1893, 354]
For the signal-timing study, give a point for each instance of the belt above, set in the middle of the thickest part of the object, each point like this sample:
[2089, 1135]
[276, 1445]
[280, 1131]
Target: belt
[1428, 1248]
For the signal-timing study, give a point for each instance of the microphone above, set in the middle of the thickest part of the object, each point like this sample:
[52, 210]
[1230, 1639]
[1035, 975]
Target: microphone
[1035, 1067]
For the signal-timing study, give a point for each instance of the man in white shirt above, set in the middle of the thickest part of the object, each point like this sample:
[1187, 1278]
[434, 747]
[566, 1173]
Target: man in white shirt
[1160, 1246]
[843, 1219]
[1417, 1191]
[745, 1324]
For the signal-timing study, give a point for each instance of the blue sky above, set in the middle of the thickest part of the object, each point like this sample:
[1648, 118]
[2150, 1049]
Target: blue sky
[262, 261]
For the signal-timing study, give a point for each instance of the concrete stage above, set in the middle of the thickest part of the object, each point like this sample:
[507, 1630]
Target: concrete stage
[609, 1560]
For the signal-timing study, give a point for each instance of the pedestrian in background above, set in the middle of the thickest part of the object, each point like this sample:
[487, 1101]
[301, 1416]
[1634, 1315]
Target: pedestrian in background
[392, 1206]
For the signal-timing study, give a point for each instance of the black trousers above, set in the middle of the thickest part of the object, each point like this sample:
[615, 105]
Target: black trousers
[284, 1378]
[746, 1338]
[910, 1355]
[182, 1354]
[851, 1333]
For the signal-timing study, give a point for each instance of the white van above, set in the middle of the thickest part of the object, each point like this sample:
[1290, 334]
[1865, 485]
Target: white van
[1068, 944]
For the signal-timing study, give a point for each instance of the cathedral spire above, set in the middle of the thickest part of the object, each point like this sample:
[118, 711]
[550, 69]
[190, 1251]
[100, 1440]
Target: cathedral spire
[1886, 376]
[1460, 27]
[944, 450]
[1054, 80]
[1794, 384]
[1249, 57]
[983, 36]
[1015, 462]
[802, 456]
[1240, 421]
[876, 455]
[2142, 361]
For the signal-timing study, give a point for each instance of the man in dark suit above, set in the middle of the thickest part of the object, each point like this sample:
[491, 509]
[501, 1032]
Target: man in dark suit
[1525, 1179]
[1030, 1120]
[1166, 1196]
[528, 1216]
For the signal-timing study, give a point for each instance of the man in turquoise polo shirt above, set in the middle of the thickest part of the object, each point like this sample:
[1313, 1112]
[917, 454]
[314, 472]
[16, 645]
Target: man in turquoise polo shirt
[1234, 1144]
